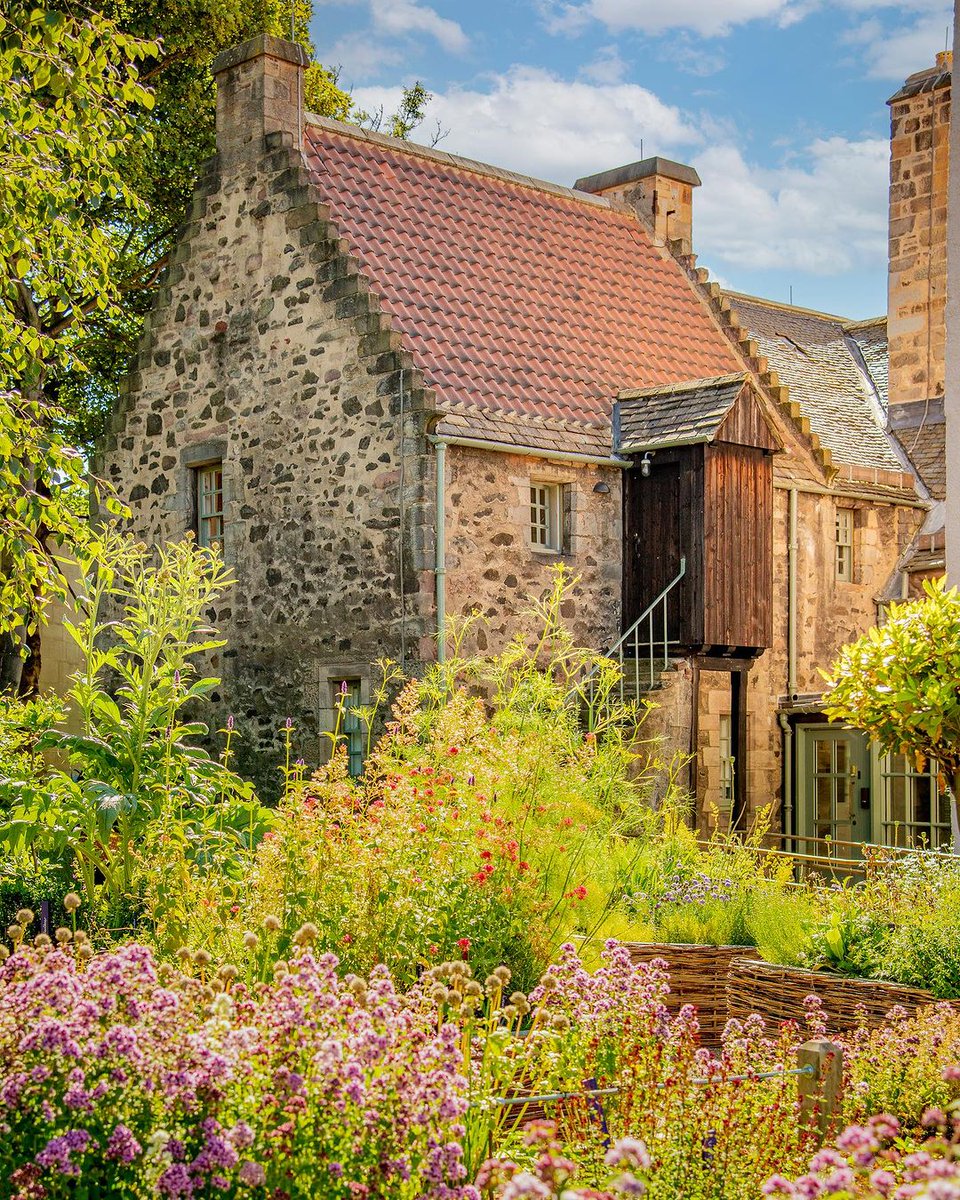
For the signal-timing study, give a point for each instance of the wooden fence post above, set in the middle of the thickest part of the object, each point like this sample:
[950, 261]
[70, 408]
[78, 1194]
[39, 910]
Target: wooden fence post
[820, 1087]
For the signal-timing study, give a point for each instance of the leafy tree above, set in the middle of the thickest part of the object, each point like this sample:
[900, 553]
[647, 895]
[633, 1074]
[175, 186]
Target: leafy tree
[105, 116]
[161, 171]
[70, 99]
[901, 683]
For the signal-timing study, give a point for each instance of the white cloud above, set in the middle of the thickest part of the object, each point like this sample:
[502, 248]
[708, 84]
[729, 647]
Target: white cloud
[825, 218]
[823, 212]
[529, 120]
[710, 18]
[895, 53]
[394, 32]
[404, 17]
[606, 66]
[715, 18]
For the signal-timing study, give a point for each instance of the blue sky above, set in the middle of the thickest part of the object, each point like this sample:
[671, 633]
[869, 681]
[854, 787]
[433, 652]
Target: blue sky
[779, 104]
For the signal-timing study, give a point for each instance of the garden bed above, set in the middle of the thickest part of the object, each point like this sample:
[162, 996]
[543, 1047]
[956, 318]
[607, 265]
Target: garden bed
[777, 994]
[698, 976]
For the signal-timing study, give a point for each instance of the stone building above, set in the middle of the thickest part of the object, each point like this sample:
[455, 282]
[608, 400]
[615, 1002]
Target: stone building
[397, 385]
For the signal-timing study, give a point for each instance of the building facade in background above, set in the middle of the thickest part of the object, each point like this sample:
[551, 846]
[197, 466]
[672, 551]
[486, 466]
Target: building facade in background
[398, 386]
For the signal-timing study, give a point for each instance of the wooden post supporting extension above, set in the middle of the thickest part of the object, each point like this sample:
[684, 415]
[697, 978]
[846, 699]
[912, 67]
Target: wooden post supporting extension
[820, 1088]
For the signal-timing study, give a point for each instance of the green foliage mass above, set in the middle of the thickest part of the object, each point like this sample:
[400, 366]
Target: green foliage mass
[129, 774]
[899, 682]
[71, 100]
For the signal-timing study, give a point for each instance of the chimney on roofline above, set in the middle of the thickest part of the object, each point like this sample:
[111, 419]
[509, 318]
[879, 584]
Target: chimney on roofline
[917, 260]
[259, 91]
[661, 191]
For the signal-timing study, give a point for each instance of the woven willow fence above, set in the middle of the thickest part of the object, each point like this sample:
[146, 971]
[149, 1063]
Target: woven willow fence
[698, 976]
[777, 994]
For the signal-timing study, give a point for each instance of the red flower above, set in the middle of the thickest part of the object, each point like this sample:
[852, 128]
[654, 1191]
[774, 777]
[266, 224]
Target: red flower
[346, 939]
[523, 866]
[432, 951]
[454, 750]
[578, 893]
[464, 946]
[486, 854]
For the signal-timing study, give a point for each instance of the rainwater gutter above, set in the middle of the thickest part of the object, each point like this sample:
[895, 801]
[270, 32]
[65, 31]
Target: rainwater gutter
[816, 489]
[440, 443]
[600, 460]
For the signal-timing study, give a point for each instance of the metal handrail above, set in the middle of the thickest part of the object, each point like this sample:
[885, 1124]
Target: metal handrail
[656, 649]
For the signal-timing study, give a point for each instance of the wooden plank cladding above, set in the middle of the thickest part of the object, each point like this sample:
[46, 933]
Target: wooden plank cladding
[738, 547]
[706, 497]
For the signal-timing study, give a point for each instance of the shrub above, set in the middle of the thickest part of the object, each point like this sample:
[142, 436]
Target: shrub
[117, 1080]
[487, 822]
[137, 774]
[900, 1068]
[871, 1162]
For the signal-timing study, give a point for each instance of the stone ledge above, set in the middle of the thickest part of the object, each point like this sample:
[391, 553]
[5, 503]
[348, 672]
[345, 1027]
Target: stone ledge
[264, 45]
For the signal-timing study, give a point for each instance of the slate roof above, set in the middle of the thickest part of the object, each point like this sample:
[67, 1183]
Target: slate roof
[920, 427]
[520, 301]
[826, 370]
[675, 416]
[871, 340]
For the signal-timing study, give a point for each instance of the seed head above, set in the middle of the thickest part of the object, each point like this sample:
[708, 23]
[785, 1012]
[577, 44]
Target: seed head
[42, 941]
[84, 950]
[228, 973]
[203, 958]
[14, 932]
[63, 935]
[25, 917]
[250, 940]
[71, 902]
[185, 954]
[306, 935]
[271, 923]
[503, 974]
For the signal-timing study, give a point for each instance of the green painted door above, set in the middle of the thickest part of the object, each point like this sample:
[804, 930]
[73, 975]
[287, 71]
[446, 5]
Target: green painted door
[835, 795]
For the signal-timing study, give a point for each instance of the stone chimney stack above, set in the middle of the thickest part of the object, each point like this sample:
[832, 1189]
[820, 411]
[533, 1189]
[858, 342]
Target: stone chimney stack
[659, 190]
[917, 281]
[259, 91]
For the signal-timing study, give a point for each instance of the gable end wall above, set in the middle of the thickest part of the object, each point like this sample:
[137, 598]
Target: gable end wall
[266, 348]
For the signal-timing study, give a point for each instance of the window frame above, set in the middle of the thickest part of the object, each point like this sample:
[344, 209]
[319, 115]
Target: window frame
[351, 731]
[216, 515]
[549, 516]
[844, 533]
[910, 831]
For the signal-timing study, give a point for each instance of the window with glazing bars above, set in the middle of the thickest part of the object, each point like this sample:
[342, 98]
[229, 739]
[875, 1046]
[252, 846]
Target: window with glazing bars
[845, 544]
[914, 809]
[546, 532]
[209, 484]
[346, 698]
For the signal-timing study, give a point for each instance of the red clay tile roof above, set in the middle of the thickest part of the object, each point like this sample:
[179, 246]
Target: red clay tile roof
[513, 296]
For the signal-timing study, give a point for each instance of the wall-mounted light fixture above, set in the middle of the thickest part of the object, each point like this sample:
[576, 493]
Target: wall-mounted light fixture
[645, 464]
[602, 488]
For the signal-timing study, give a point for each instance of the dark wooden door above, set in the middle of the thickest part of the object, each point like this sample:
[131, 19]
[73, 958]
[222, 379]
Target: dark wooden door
[658, 520]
